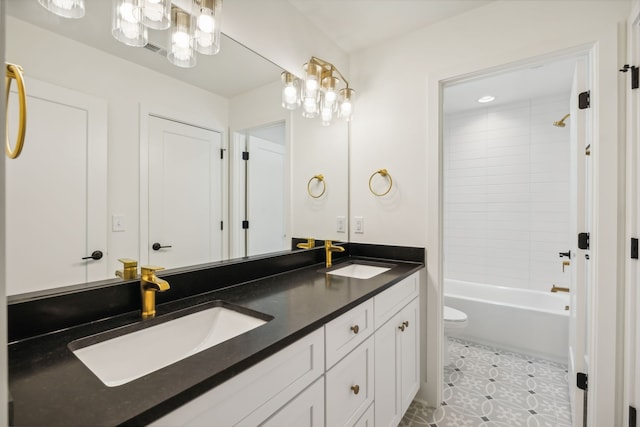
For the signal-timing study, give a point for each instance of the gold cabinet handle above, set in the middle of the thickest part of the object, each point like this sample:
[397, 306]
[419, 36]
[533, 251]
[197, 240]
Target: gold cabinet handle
[355, 329]
[355, 389]
[383, 173]
[406, 323]
[14, 71]
[565, 264]
[402, 327]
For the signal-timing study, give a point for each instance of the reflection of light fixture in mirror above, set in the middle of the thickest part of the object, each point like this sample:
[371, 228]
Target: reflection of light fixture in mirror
[156, 14]
[199, 28]
[127, 23]
[290, 91]
[64, 8]
[181, 36]
[319, 94]
[207, 14]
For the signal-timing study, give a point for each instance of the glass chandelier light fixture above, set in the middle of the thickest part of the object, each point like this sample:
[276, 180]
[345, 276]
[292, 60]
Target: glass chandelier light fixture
[207, 34]
[181, 39]
[156, 14]
[65, 8]
[291, 98]
[318, 92]
[194, 24]
[127, 26]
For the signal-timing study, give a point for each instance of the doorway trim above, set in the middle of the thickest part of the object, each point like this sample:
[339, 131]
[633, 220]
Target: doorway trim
[602, 325]
[631, 368]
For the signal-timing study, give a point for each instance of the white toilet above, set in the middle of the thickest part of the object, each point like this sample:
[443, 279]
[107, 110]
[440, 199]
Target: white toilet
[454, 322]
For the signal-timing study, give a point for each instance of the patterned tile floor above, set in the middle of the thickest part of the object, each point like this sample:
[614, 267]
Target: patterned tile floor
[489, 387]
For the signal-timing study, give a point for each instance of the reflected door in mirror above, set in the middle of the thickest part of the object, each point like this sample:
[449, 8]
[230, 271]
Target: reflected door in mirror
[57, 191]
[185, 194]
[266, 196]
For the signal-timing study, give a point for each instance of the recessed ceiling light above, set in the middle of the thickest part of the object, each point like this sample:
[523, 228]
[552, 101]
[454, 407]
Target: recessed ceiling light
[485, 99]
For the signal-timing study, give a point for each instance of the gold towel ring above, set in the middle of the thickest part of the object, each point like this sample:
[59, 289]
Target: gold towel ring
[384, 173]
[14, 71]
[320, 178]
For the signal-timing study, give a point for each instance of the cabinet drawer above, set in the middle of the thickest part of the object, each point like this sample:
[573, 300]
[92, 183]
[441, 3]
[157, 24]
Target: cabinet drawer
[389, 302]
[349, 389]
[344, 333]
[305, 410]
[265, 387]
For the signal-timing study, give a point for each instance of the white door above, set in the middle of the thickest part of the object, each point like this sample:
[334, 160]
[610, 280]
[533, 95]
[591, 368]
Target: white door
[56, 191]
[266, 197]
[579, 223]
[185, 194]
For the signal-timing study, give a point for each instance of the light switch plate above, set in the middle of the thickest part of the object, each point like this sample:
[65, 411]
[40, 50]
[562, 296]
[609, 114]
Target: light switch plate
[358, 224]
[340, 224]
[118, 223]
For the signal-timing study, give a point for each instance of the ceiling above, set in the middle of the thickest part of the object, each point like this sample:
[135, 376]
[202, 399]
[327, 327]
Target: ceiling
[520, 83]
[359, 24]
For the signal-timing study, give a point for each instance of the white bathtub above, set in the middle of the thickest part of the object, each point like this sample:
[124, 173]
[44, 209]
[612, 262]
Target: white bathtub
[524, 321]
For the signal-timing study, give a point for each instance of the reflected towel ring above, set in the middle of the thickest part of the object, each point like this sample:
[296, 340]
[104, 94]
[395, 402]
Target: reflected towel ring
[384, 173]
[14, 71]
[320, 178]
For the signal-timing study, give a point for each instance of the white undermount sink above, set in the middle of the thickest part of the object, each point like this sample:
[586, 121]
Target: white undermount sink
[359, 271]
[122, 359]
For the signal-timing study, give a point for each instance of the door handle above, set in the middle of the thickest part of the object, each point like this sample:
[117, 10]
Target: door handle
[95, 255]
[157, 246]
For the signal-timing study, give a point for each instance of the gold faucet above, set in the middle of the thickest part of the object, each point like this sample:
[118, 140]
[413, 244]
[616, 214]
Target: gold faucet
[149, 285]
[130, 270]
[555, 288]
[329, 248]
[311, 243]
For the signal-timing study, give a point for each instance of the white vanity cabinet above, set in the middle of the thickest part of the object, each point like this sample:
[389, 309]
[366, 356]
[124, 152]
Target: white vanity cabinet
[397, 351]
[362, 367]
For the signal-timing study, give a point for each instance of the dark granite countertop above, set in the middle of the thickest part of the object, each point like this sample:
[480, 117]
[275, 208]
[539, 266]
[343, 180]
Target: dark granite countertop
[50, 386]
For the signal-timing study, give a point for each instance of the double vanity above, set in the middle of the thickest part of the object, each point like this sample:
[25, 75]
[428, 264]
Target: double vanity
[269, 340]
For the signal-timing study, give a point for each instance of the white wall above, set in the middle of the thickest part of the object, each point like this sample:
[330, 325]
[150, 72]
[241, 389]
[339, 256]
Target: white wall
[319, 150]
[125, 86]
[397, 127]
[506, 194]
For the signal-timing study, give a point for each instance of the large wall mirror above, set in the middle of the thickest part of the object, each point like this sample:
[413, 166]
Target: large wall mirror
[129, 156]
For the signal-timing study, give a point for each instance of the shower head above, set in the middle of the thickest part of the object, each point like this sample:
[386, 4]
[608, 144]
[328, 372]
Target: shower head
[560, 123]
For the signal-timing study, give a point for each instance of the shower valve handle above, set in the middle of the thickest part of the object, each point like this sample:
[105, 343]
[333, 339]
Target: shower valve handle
[565, 254]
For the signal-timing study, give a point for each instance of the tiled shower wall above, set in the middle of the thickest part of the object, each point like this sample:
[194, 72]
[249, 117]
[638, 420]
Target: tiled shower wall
[506, 194]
